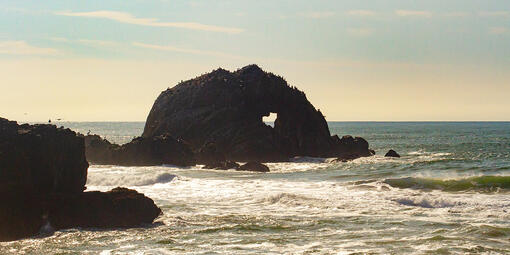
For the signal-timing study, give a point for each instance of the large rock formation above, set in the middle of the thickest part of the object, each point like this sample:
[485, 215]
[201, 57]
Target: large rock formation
[226, 109]
[140, 151]
[43, 172]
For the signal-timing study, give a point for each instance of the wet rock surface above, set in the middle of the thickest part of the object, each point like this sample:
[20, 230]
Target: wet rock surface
[43, 172]
[222, 165]
[254, 167]
[226, 109]
[392, 154]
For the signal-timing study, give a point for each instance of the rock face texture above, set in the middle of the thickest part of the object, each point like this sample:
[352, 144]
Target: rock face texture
[41, 159]
[43, 172]
[141, 151]
[226, 109]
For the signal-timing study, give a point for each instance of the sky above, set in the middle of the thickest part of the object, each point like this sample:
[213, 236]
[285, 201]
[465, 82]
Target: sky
[378, 60]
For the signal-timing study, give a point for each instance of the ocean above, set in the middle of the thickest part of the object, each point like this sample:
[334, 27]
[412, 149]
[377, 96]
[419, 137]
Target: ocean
[447, 194]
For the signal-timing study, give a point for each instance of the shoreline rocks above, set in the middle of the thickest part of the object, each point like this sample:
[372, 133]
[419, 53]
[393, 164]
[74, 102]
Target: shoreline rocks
[43, 172]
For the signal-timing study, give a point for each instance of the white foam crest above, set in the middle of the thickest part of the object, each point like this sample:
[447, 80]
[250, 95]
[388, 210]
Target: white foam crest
[298, 166]
[115, 177]
[292, 199]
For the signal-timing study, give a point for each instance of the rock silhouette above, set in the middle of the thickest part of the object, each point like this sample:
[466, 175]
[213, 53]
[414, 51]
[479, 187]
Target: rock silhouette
[158, 150]
[392, 154]
[41, 159]
[226, 109]
[254, 167]
[43, 172]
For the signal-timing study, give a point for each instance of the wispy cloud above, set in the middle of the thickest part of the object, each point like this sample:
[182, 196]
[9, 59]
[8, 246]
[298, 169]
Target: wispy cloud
[84, 41]
[413, 13]
[124, 17]
[456, 14]
[498, 30]
[318, 15]
[363, 31]
[97, 42]
[494, 14]
[23, 48]
[59, 39]
[184, 50]
[361, 13]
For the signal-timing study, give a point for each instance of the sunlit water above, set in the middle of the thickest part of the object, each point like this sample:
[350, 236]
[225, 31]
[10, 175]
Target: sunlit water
[448, 194]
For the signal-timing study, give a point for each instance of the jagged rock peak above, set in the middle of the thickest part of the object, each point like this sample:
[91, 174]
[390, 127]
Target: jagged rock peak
[253, 68]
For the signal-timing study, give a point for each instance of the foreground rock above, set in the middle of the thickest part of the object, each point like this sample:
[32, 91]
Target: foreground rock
[254, 166]
[226, 109]
[119, 207]
[41, 159]
[392, 154]
[157, 150]
[43, 172]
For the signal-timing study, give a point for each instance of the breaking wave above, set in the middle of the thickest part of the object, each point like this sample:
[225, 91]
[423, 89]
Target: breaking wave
[128, 180]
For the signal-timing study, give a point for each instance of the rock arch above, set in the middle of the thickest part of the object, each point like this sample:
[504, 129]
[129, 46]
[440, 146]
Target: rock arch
[226, 108]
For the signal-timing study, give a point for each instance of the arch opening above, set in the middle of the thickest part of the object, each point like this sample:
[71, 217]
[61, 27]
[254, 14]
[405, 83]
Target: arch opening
[270, 119]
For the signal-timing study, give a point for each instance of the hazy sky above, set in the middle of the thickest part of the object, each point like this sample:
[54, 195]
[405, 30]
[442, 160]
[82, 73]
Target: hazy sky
[356, 60]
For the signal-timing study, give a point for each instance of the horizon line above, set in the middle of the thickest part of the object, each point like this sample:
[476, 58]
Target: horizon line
[380, 121]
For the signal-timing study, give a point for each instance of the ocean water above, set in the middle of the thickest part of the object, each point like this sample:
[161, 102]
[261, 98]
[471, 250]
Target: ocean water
[448, 194]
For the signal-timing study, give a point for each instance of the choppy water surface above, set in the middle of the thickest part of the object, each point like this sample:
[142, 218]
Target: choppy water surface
[448, 194]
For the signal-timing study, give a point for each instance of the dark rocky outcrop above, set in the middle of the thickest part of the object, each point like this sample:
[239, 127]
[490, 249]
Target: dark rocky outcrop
[41, 159]
[254, 167]
[210, 155]
[392, 154]
[43, 172]
[141, 151]
[352, 148]
[226, 109]
[21, 215]
[119, 207]
[222, 165]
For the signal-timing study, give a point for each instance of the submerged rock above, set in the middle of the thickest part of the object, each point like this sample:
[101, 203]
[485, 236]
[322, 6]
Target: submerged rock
[43, 172]
[157, 150]
[226, 109]
[392, 154]
[254, 166]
